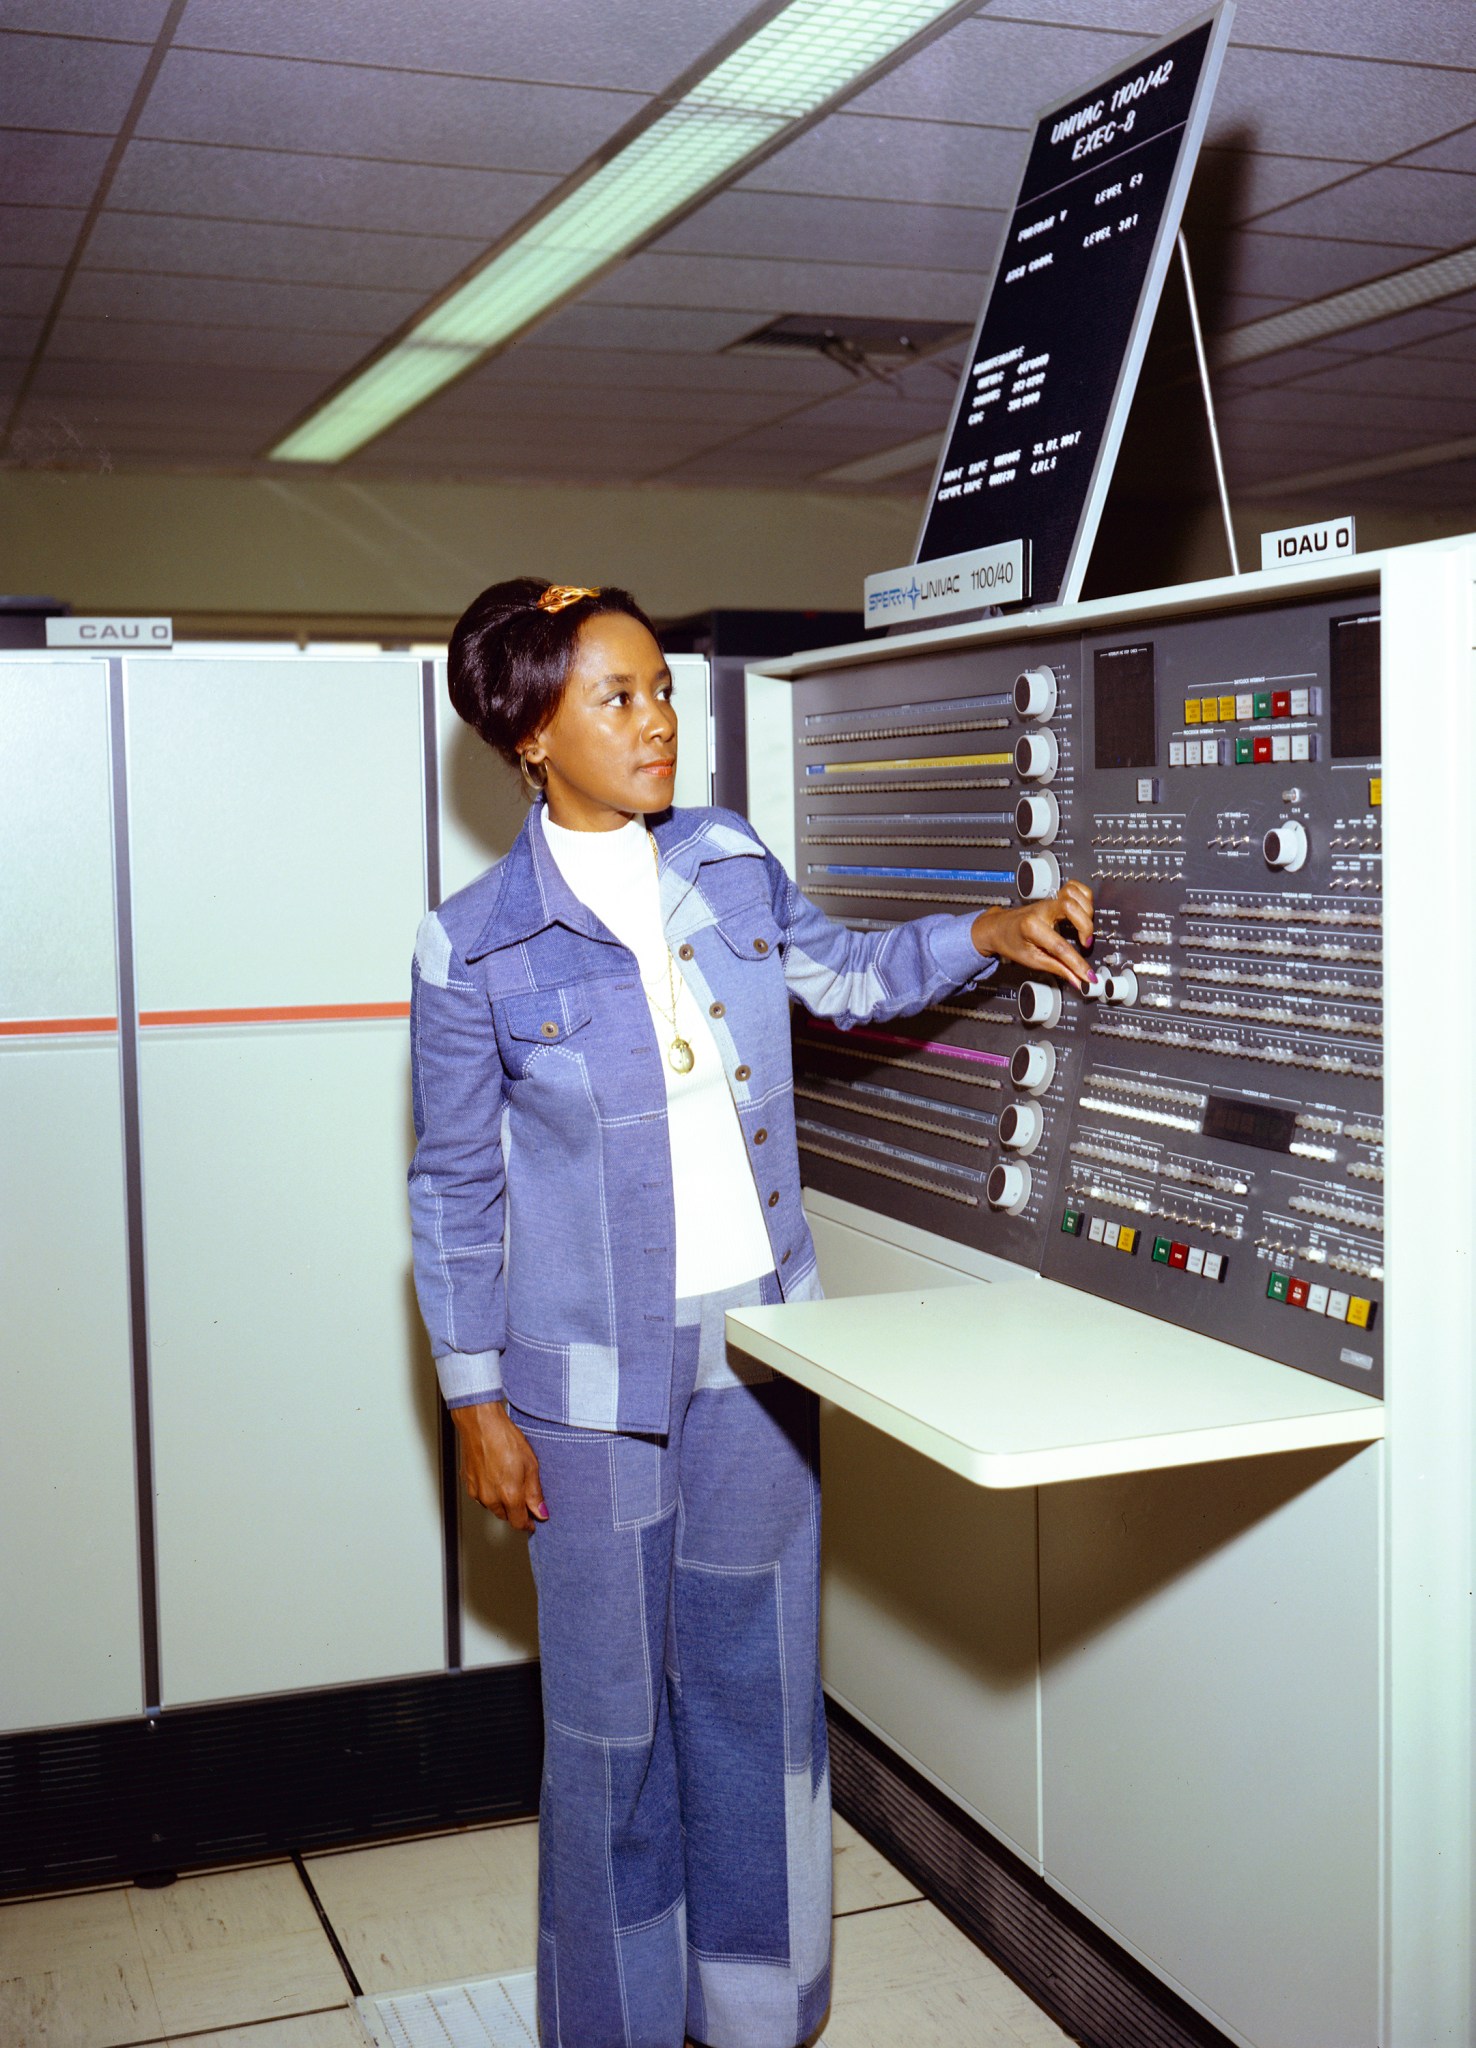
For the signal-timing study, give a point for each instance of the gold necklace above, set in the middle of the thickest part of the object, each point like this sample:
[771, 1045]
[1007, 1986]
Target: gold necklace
[679, 1055]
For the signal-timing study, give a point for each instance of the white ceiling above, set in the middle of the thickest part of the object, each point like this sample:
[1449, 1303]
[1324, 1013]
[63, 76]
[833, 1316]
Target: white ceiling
[212, 211]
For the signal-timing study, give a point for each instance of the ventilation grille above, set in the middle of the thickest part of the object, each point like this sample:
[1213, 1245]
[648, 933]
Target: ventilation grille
[1084, 1981]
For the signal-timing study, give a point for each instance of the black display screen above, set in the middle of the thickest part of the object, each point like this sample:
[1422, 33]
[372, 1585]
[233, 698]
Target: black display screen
[1353, 672]
[1122, 707]
[1260, 1124]
[1036, 401]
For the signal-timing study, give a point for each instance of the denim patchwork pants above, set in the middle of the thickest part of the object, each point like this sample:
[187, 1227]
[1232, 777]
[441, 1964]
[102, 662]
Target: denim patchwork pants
[684, 1829]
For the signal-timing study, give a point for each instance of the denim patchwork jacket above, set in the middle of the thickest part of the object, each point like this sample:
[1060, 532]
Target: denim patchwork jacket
[541, 1191]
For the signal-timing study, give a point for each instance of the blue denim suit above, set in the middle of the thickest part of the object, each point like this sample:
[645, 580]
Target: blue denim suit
[541, 1191]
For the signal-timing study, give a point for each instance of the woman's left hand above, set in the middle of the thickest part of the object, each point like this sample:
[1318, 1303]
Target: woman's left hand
[1027, 933]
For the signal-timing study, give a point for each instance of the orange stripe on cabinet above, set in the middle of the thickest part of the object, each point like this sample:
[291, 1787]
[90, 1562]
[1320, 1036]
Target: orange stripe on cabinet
[54, 1027]
[296, 1013]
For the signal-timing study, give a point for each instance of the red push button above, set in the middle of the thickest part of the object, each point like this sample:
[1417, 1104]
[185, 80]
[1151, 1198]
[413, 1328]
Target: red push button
[1281, 704]
[1262, 749]
[1179, 1255]
[1296, 1294]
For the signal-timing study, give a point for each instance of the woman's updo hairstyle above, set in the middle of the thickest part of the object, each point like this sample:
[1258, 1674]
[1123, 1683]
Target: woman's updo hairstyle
[510, 654]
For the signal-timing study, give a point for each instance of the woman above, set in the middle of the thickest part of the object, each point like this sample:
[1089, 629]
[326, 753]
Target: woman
[606, 1163]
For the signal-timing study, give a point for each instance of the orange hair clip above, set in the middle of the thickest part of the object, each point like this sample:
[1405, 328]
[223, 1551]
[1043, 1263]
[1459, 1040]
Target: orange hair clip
[558, 595]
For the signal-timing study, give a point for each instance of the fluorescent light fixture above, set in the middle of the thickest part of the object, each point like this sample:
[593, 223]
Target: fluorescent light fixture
[1420, 285]
[797, 62]
[873, 469]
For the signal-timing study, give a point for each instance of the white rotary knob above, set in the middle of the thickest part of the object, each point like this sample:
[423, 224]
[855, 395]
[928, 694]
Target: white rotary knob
[1285, 846]
[1033, 1066]
[1120, 985]
[1038, 877]
[1038, 818]
[1035, 693]
[1020, 1126]
[1008, 1186]
[1037, 756]
[1039, 1002]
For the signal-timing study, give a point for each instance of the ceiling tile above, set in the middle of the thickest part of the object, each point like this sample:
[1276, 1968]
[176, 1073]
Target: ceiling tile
[580, 408]
[1282, 368]
[1294, 267]
[27, 288]
[225, 302]
[1146, 20]
[569, 42]
[1299, 405]
[658, 329]
[1452, 344]
[177, 385]
[623, 370]
[39, 234]
[18, 337]
[856, 156]
[1456, 153]
[877, 412]
[271, 103]
[41, 169]
[1410, 33]
[142, 341]
[239, 249]
[659, 279]
[1388, 205]
[1333, 106]
[999, 73]
[813, 230]
[1396, 377]
[60, 82]
[1232, 185]
[118, 20]
[322, 191]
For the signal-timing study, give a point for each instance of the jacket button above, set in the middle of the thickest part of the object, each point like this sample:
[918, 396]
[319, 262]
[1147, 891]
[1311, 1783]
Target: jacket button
[716, 1009]
[759, 1137]
[741, 1073]
[684, 952]
[785, 1260]
[760, 945]
[549, 1028]
[774, 1198]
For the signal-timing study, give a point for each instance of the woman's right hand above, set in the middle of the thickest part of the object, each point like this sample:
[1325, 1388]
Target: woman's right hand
[499, 1466]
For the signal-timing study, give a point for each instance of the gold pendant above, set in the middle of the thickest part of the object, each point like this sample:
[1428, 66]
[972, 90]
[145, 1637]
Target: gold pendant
[680, 1056]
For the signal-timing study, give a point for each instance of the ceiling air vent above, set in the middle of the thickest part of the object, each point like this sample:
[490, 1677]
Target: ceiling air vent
[863, 347]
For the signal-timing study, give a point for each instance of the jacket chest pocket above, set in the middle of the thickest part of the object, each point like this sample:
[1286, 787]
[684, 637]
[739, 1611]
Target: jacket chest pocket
[538, 1023]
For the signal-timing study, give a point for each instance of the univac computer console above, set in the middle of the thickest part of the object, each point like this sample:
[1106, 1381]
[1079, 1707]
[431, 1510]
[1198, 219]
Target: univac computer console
[1202, 1137]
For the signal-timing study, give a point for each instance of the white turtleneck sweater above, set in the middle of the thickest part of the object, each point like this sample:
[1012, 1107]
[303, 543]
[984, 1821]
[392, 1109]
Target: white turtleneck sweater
[721, 1237]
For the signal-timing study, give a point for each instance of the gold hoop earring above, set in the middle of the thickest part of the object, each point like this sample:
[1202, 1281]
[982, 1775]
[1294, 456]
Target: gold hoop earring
[532, 782]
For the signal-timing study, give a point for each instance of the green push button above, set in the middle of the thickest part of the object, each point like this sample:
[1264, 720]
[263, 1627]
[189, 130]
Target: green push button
[1244, 751]
[1277, 1285]
[1071, 1223]
[1262, 707]
[1161, 1250]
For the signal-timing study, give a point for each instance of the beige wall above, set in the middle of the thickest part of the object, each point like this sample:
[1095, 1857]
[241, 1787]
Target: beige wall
[326, 554]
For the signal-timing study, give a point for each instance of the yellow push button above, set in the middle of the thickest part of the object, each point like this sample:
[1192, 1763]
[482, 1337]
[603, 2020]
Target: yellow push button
[1375, 791]
[1191, 711]
[1127, 1239]
[1360, 1311]
[1209, 710]
[1227, 708]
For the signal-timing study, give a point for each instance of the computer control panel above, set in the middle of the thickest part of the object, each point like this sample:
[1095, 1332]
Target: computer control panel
[1200, 1135]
